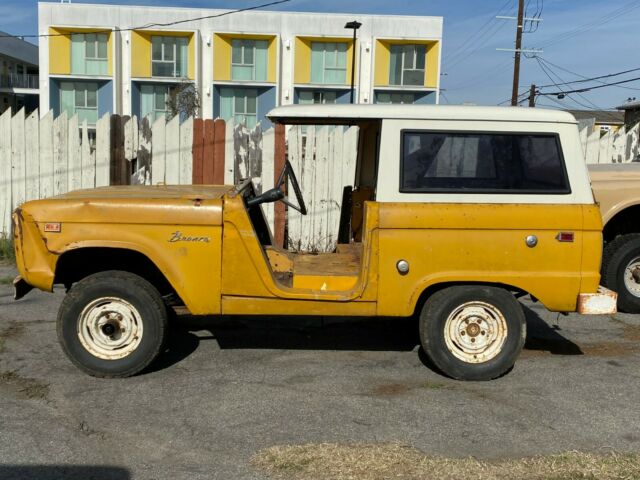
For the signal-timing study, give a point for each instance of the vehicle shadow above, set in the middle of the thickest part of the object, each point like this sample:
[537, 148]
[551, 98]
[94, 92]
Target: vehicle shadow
[542, 337]
[328, 333]
[66, 472]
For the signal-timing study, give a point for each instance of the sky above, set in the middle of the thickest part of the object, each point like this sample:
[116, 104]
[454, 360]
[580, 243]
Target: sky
[578, 38]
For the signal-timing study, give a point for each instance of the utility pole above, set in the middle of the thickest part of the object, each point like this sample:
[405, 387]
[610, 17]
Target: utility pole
[516, 63]
[532, 95]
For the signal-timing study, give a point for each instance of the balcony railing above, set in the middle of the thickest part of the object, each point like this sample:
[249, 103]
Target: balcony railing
[14, 80]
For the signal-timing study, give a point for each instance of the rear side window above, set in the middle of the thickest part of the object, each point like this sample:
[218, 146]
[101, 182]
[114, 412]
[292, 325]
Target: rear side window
[482, 162]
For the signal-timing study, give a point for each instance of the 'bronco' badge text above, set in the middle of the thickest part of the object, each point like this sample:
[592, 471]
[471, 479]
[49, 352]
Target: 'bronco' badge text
[179, 237]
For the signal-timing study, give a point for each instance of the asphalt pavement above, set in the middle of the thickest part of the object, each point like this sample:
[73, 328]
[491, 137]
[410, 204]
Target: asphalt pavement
[229, 387]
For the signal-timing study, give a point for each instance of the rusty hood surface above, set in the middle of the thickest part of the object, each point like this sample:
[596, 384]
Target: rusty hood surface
[135, 204]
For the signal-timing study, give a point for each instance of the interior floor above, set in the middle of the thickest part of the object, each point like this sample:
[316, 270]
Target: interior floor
[321, 271]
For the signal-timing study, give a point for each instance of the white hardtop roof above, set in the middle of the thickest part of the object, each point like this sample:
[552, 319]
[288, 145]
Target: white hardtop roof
[359, 112]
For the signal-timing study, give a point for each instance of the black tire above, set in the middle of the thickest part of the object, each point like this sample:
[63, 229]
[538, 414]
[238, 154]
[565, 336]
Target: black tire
[445, 302]
[616, 256]
[120, 286]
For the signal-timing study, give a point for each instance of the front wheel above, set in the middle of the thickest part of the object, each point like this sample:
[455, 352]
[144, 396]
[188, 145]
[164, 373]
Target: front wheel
[112, 324]
[472, 332]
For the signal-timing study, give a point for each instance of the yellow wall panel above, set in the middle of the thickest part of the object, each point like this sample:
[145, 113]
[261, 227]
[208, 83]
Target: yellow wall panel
[221, 58]
[381, 64]
[432, 63]
[140, 55]
[302, 62]
[59, 53]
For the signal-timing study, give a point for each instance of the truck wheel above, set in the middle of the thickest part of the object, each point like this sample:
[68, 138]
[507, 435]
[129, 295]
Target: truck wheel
[112, 324]
[621, 271]
[472, 332]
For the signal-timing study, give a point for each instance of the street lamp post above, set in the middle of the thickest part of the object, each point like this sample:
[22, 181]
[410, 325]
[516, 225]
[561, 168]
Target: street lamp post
[355, 25]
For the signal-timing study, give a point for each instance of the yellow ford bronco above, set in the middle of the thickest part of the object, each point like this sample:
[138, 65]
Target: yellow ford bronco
[457, 211]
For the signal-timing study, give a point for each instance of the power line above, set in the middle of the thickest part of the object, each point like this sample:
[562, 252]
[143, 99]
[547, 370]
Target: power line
[592, 24]
[593, 88]
[544, 69]
[150, 25]
[587, 79]
[459, 54]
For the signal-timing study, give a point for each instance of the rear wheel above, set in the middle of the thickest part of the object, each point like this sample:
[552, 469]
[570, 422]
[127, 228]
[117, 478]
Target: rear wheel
[472, 332]
[621, 271]
[112, 324]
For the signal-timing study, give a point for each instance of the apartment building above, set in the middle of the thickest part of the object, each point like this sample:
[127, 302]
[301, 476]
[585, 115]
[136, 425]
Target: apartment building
[19, 83]
[102, 59]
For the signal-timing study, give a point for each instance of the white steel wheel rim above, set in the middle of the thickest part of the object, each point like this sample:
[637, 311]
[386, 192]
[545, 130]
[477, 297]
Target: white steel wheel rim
[475, 332]
[631, 284]
[110, 328]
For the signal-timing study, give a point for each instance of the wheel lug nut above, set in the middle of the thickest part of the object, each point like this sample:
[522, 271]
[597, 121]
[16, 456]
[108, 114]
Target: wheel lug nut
[473, 340]
[482, 332]
[463, 333]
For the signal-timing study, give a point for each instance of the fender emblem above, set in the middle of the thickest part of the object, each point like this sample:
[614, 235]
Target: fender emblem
[179, 237]
[52, 227]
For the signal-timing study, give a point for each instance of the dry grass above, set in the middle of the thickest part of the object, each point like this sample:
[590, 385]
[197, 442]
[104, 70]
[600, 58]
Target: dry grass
[6, 249]
[328, 461]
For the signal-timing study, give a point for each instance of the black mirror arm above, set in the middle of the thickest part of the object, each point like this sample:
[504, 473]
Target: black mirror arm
[270, 196]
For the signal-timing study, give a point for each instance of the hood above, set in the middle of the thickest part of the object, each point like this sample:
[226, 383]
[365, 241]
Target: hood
[136, 204]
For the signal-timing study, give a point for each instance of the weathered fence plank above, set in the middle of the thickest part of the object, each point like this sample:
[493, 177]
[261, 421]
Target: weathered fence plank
[197, 151]
[207, 152]
[75, 155]
[88, 159]
[186, 161]
[18, 158]
[172, 151]
[219, 134]
[32, 156]
[46, 155]
[103, 151]
[6, 184]
[142, 171]
[268, 152]
[229, 149]
[60, 157]
[158, 156]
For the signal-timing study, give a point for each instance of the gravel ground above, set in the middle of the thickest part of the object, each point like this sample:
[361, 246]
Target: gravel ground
[227, 388]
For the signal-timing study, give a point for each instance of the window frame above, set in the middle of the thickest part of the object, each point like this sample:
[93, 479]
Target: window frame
[245, 103]
[480, 191]
[333, 68]
[403, 68]
[96, 47]
[163, 61]
[85, 107]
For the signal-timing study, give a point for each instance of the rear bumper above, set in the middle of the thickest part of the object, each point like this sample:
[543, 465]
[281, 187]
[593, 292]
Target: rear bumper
[603, 302]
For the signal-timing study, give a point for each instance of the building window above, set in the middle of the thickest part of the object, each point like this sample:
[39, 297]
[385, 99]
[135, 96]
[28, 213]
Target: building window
[153, 101]
[482, 162]
[89, 53]
[249, 60]
[240, 104]
[395, 98]
[80, 98]
[407, 64]
[316, 96]
[169, 56]
[328, 62]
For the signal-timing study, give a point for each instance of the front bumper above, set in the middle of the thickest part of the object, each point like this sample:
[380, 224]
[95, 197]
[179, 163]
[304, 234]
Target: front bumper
[603, 302]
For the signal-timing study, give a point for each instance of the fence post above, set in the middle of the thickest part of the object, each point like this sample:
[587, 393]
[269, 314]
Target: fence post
[5, 173]
[278, 165]
[197, 151]
[218, 151]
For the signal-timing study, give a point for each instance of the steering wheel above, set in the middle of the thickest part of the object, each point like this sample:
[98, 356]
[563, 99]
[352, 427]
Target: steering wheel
[277, 193]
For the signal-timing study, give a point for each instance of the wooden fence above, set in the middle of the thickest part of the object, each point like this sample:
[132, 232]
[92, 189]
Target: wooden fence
[620, 146]
[42, 157]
